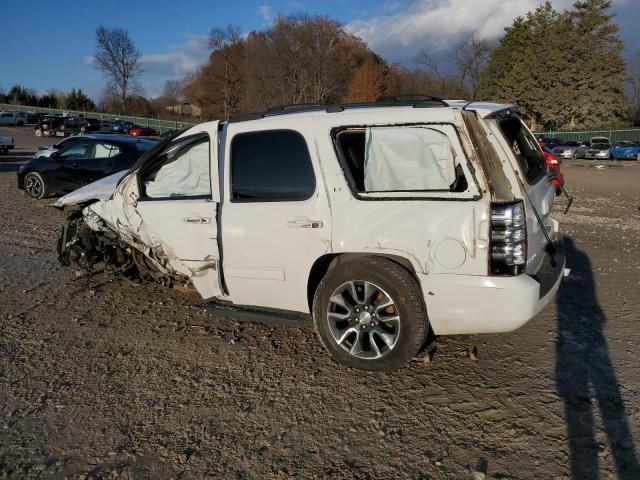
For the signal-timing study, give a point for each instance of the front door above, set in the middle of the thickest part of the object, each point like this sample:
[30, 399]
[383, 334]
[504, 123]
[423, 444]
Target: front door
[101, 162]
[275, 219]
[177, 208]
[72, 174]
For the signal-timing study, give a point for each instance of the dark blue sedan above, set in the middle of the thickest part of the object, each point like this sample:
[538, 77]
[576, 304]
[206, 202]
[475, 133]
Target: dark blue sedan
[629, 150]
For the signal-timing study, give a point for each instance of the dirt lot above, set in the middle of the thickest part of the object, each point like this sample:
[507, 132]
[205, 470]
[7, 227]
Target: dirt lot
[103, 379]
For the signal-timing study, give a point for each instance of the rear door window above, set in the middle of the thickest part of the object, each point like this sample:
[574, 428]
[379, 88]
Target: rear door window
[525, 148]
[271, 166]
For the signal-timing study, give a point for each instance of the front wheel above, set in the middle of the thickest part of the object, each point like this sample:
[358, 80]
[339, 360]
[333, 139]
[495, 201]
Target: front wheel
[38, 132]
[34, 185]
[369, 314]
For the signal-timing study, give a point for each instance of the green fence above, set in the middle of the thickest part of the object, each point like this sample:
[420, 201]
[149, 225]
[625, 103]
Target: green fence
[584, 135]
[156, 123]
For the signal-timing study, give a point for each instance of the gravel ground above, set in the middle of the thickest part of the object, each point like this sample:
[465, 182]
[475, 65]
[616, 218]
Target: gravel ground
[100, 378]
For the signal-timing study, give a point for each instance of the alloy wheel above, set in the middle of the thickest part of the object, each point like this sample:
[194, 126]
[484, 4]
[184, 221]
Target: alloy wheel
[363, 319]
[33, 186]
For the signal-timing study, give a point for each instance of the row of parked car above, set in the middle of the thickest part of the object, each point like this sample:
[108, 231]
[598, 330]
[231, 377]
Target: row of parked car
[62, 126]
[59, 126]
[598, 148]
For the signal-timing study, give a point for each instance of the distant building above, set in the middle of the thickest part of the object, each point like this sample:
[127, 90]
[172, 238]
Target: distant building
[186, 109]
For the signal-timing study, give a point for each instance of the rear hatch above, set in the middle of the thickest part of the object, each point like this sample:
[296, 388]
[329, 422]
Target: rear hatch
[537, 193]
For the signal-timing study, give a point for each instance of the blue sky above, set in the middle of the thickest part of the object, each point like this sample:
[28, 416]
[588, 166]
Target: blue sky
[47, 44]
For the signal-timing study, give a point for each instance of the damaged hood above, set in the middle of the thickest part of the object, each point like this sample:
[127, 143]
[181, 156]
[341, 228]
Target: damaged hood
[99, 190]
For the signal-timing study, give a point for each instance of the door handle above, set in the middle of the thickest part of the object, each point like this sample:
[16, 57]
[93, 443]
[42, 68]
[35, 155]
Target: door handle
[304, 223]
[199, 220]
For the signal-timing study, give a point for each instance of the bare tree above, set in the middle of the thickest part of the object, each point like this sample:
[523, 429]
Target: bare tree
[172, 91]
[223, 41]
[471, 56]
[119, 60]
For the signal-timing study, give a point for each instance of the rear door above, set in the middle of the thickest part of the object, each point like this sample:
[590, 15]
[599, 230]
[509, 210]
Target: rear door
[276, 220]
[178, 203]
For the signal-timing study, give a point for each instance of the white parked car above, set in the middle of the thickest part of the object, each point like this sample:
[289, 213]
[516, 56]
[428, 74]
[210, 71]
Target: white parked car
[11, 118]
[378, 222]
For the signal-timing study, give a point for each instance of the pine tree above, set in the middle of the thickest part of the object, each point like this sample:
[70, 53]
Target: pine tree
[564, 70]
[525, 65]
[598, 70]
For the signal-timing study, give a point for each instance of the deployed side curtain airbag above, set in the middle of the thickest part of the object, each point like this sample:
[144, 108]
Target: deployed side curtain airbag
[407, 159]
[186, 176]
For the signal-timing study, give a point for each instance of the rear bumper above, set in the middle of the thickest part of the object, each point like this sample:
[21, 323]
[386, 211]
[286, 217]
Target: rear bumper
[465, 304]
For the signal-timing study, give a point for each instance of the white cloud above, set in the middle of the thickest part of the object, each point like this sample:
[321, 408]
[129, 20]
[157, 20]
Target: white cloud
[434, 25]
[267, 13]
[178, 61]
[89, 60]
[181, 59]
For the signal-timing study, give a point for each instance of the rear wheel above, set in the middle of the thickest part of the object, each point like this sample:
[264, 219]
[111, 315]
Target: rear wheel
[34, 185]
[38, 132]
[369, 314]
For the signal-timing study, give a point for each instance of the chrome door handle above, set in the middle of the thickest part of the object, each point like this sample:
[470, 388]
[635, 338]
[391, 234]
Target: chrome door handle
[304, 223]
[196, 220]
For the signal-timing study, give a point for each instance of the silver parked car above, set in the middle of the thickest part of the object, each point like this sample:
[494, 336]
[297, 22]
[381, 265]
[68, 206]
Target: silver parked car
[599, 149]
[570, 149]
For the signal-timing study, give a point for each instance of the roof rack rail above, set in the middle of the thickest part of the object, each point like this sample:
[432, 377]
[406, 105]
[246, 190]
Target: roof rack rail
[406, 100]
[416, 98]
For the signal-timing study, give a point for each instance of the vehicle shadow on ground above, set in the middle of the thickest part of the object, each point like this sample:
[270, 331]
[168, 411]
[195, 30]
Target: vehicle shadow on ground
[11, 161]
[584, 370]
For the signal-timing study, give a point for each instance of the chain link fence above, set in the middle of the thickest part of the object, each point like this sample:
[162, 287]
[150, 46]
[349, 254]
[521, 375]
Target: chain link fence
[586, 135]
[155, 123]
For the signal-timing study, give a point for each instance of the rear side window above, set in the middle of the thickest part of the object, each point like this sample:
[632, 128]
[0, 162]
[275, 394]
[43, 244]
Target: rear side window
[525, 148]
[271, 166]
[400, 159]
[106, 150]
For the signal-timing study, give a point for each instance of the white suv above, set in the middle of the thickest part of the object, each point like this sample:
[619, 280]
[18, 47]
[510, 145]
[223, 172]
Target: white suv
[378, 221]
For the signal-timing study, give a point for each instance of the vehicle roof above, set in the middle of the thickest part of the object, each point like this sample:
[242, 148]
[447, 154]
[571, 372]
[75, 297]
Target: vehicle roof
[432, 104]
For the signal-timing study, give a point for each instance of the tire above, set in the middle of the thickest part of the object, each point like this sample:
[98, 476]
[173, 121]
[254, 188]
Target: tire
[370, 338]
[574, 156]
[35, 186]
[20, 123]
[38, 132]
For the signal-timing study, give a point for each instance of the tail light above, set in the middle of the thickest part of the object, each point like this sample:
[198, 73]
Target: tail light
[508, 239]
[552, 161]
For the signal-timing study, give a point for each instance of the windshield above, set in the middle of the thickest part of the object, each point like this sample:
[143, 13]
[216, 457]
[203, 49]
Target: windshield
[600, 146]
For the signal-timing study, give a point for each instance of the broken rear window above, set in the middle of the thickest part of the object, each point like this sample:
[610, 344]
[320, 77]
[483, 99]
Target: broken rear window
[400, 159]
[525, 148]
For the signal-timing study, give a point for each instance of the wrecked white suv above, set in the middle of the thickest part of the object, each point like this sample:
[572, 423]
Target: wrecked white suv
[378, 221]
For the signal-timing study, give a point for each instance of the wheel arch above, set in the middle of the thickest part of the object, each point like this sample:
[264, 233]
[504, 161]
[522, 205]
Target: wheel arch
[327, 262]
